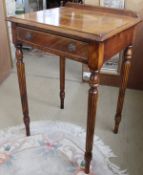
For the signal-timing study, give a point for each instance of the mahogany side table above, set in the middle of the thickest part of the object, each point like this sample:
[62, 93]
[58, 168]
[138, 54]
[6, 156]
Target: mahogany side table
[83, 33]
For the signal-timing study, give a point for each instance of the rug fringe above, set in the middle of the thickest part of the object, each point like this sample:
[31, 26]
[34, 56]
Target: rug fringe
[115, 169]
[106, 150]
[108, 153]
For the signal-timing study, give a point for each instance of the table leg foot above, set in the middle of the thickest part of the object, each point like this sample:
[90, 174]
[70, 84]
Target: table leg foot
[62, 81]
[62, 96]
[88, 158]
[117, 123]
[123, 85]
[26, 120]
[22, 87]
[91, 116]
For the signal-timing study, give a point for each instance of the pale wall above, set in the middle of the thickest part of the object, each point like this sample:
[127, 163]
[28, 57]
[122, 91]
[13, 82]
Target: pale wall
[136, 5]
[10, 7]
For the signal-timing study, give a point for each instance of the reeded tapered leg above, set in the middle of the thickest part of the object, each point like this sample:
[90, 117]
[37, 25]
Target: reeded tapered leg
[22, 87]
[62, 81]
[123, 85]
[91, 116]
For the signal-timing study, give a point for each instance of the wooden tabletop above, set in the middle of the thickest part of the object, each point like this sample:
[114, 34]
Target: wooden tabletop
[95, 23]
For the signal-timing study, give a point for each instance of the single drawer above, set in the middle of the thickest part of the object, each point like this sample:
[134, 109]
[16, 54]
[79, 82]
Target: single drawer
[54, 43]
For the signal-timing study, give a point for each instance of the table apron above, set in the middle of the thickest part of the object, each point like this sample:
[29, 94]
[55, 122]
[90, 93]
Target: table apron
[117, 43]
[51, 43]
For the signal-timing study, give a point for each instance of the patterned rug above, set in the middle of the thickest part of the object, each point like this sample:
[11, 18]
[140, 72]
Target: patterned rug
[54, 148]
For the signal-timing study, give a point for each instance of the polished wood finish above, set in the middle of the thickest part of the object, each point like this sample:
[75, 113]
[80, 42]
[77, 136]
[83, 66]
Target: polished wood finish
[54, 43]
[5, 55]
[62, 80]
[22, 87]
[124, 80]
[91, 116]
[94, 64]
[83, 33]
[78, 24]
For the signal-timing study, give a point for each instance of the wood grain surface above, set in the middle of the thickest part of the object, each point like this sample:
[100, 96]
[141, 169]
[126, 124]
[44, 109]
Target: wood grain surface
[76, 21]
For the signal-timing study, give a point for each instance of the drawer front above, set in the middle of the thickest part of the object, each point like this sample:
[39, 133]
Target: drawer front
[68, 47]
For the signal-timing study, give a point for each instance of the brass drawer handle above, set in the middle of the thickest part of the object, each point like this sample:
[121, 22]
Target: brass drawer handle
[72, 47]
[28, 36]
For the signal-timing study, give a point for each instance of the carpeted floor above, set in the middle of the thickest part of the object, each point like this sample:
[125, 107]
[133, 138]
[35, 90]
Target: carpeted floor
[53, 148]
[43, 91]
